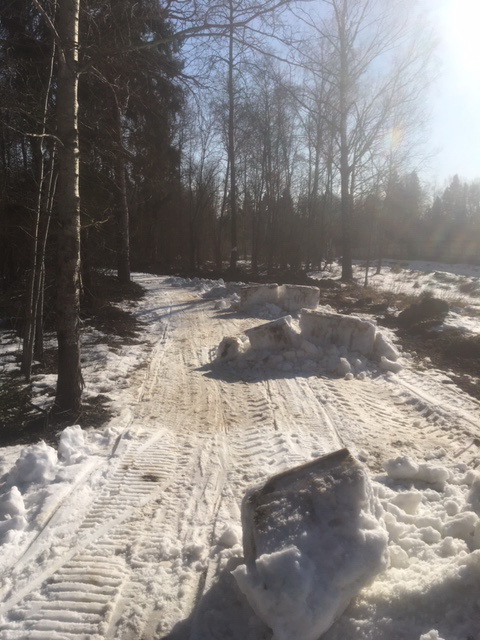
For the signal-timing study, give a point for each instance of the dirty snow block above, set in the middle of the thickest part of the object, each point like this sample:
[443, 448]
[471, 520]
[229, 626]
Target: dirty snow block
[312, 540]
[257, 294]
[278, 334]
[293, 297]
[323, 327]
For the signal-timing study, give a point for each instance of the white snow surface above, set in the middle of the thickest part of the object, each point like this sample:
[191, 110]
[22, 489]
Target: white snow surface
[132, 530]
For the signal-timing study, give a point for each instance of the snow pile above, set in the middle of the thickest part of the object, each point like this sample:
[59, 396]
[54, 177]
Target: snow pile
[36, 479]
[312, 540]
[37, 464]
[12, 514]
[430, 590]
[72, 446]
[322, 342]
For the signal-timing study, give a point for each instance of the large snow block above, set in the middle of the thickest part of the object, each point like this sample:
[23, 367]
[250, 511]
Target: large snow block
[322, 327]
[258, 294]
[278, 334]
[312, 539]
[293, 297]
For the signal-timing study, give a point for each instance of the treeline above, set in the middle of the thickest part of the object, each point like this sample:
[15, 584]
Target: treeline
[168, 136]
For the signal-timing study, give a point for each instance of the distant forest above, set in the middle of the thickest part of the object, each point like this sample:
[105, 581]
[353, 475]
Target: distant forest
[173, 136]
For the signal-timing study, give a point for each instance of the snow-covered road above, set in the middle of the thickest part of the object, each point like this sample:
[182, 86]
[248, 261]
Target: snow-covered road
[141, 541]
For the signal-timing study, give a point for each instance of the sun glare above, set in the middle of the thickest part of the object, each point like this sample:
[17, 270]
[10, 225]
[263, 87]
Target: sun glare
[461, 19]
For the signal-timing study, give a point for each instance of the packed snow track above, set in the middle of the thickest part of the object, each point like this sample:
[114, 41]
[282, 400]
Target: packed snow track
[143, 543]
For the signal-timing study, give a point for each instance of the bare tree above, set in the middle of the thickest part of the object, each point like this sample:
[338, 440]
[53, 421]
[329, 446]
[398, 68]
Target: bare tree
[69, 381]
[375, 62]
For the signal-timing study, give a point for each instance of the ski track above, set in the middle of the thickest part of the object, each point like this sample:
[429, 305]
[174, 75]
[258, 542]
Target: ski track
[177, 475]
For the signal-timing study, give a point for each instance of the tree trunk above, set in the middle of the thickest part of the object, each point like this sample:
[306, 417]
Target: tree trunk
[231, 151]
[69, 382]
[345, 196]
[123, 231]
[31, 330]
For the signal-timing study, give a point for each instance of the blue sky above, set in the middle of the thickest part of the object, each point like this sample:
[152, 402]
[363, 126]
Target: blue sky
[455, 97]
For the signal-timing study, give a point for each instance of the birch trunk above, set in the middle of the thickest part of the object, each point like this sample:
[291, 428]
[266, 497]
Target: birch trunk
[69, 382]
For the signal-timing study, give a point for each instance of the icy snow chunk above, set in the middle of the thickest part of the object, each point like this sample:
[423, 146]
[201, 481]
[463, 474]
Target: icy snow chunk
[252, 295]
[431, 635]
[230, 537]
[390, 365]
[383, 347]
[312, 540]
[473, 497]
[222, 304]
[310, 349]
[398, 557]
[432, 474]
[321, 327]
[293, 297]
[71, 447]
[274, 310]
[462, 526]
[401, 468]
[229, 348]
[7, 527]
[409, 501]
[278, 334]
[344, 367]
[36, 464]
[11, 504]
[404, 468]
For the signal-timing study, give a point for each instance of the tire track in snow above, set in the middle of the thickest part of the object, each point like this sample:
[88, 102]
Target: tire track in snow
[114, 519]
[179, 473]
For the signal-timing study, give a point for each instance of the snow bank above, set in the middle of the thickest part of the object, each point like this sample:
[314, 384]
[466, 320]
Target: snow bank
[312, 540]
